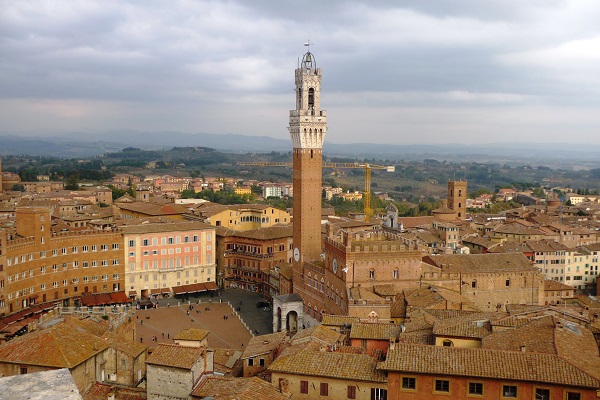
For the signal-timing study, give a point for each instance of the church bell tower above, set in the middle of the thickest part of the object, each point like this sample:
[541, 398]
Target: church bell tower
[308, 126]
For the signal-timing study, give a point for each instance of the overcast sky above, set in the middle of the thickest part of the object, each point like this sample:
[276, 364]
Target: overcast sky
[410, 72]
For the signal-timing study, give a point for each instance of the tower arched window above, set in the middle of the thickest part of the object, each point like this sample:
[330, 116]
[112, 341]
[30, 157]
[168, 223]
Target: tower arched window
[459, 205]
[311, 98]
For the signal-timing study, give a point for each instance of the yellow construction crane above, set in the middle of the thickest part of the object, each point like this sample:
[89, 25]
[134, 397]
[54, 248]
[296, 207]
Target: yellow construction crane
[366, 166]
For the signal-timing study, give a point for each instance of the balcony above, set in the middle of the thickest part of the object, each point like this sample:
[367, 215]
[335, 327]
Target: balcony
[237, 252]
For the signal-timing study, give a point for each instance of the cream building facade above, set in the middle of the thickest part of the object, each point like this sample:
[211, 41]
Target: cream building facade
[161, 256]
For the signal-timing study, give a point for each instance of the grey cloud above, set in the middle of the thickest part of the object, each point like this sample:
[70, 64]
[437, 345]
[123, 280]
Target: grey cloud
[214, 65]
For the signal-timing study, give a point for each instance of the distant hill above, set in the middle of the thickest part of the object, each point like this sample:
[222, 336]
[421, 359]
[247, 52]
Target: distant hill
[85, 144]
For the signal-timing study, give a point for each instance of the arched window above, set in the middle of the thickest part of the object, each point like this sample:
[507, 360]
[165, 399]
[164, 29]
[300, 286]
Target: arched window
[447, 343]
[311, 98]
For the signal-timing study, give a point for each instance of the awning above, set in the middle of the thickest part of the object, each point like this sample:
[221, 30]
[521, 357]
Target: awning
[179, 290]
[119, 297]
[155, 291]
[36, 309]
[105, 299]
[48, 306]
[132, 293]
[211, 286]
[194, 288]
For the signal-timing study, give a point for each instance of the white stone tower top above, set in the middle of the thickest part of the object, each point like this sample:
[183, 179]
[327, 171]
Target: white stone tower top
[308, 123]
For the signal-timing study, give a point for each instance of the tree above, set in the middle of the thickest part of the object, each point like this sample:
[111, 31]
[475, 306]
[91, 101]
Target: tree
[72, 183]
[539, 193]
[116, 192]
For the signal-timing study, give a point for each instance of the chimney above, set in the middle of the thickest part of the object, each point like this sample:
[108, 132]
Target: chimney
[523, 348]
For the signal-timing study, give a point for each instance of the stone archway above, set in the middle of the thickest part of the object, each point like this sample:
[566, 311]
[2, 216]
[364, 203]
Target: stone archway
[291, 322]
[288, 313]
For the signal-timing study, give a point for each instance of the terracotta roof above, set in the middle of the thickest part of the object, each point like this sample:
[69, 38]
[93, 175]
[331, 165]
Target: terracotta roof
[481, 263]
[549, 284]
[511, 321]
[220, 388]
[517, 229]
[360, 293]
[286, 270]
[272, 232]
[322, 334]
[192, 334]
[546, 245]
[593, 247]
[509, 247]
[398, 307]
[331, 365]
[338, 320]
[263, 344]
[374, 331]
[417, 337]
[428, 237]
[432, 297]
[304, 345]
[474, 325]
[100, 391]
[130, 348]
[154, 209]
[385, 290]
[550, 335]
[172, 355]
[167, 226]
[418, 320]
[514, 309]
[443, 210]
[61, 346]
[224, 359]
[484, 363]
[537, 335]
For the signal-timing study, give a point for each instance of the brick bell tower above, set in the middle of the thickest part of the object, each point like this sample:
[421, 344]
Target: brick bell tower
[457, 198]
[308, 126]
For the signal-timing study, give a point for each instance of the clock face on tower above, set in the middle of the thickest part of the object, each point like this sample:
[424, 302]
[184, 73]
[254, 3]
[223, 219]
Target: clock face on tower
[335, 266]
[296, 254]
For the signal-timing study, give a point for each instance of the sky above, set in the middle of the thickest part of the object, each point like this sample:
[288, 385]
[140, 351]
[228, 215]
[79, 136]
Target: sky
[397, 72]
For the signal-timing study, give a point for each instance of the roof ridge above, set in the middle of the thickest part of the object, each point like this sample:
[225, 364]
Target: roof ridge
[52, 333]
